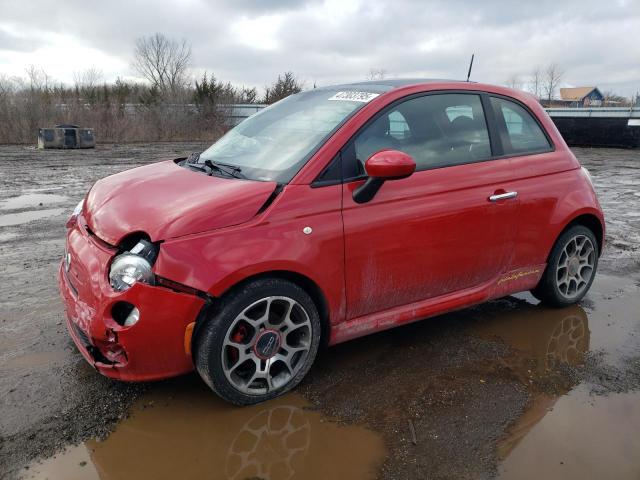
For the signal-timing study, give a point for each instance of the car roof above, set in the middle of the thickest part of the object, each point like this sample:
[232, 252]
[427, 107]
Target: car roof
[381, 86]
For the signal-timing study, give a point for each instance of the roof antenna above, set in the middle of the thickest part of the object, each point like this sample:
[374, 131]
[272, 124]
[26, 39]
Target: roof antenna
[470, 66]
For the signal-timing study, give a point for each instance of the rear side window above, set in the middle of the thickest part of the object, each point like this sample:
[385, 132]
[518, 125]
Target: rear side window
[438, 130]
[523, 134]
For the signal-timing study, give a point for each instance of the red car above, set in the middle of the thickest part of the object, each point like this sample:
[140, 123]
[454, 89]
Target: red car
[335, 213]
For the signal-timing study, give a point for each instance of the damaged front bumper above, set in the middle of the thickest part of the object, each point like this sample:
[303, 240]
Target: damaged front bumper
[151, 349]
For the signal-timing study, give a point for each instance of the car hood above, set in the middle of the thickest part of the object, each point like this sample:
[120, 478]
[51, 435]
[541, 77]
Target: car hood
[165, 201]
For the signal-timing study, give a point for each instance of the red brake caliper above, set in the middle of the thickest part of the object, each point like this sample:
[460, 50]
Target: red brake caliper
[238, 336]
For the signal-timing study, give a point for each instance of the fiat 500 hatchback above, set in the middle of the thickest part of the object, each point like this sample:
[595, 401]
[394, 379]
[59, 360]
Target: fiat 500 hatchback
[335, 213]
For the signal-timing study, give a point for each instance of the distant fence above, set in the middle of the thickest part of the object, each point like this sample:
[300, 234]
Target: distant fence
[241, 111]
[599, 126]
[234, 113]
[596, 112]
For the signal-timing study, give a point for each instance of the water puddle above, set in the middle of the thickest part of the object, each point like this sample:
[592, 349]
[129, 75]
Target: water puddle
[578, 436]
[11, 219]
[608, 325]
[31, 200]
[566, 430]
[73, 463]
[614, 318]
[543, 338]
[182, 430]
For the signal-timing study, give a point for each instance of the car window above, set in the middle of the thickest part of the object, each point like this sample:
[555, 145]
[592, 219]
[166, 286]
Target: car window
[456, 111]
[437, 130]
[276, 142]
[524, 134]
[398, 127]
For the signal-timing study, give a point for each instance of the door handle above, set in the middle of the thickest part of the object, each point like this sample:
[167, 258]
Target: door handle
[502, 196]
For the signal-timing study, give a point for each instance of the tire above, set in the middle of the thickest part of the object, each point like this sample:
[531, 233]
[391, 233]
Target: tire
[260, 342]
[571, 268]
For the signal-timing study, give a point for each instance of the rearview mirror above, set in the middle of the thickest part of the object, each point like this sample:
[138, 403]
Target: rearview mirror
[382, 166]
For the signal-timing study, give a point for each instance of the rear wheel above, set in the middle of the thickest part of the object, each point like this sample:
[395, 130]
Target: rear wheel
[571, 268]
[261, 342]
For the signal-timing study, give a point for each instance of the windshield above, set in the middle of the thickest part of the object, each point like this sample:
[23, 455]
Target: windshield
[275, 143]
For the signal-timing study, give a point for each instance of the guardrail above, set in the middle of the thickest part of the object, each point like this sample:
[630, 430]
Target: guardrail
[599, 112]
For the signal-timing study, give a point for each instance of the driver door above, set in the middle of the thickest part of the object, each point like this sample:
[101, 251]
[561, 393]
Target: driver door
[435, 232]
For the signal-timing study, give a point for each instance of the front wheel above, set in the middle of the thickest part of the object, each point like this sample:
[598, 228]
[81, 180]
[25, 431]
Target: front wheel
[260, 343]
[571, 268]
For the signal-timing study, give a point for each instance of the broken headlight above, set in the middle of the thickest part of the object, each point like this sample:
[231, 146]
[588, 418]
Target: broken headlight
[133, 266]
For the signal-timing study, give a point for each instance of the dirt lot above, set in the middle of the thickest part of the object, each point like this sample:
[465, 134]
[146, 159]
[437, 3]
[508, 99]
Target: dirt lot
[507, 389]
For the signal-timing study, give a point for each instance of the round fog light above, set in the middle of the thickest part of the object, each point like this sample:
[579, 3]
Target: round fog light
[132, 318]
[125, 314]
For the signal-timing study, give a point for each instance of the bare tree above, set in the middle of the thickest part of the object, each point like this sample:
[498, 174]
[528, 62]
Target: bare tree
[514, 82]
[552, 77]
[376, 74]
[8, 86]
[38, 79]
[87, 79]
[162, 61]
[614, 100]
[247, 95]
[535, 83]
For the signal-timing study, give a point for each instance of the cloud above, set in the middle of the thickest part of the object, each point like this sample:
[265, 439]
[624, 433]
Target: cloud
[11, 42]
[251, 41]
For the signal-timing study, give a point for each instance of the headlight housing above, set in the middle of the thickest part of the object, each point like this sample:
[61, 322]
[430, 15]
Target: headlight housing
[128, 269]
[133, 266]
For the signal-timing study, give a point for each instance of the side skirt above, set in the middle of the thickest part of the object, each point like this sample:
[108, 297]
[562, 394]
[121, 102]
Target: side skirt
[507, 283]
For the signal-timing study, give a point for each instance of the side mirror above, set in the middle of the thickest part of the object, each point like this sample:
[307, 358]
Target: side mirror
[382, 166]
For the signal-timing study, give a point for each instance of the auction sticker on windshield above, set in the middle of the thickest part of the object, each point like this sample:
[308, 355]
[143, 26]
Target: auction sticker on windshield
[355, 96]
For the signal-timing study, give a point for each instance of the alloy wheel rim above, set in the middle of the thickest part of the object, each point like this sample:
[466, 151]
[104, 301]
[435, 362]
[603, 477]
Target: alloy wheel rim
[266, 345]
[576, 265]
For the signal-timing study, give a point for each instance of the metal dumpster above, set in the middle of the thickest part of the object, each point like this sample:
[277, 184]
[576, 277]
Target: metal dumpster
[66, 136]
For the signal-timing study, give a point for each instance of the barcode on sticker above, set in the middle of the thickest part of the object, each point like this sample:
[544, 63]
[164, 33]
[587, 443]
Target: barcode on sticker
[352, 96]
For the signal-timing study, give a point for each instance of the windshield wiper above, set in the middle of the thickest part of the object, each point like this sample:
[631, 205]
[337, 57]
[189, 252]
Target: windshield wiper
[209, 166]
[230, 170]
[195, 166]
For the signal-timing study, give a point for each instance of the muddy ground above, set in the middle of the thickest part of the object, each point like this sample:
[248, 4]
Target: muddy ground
[508, 389]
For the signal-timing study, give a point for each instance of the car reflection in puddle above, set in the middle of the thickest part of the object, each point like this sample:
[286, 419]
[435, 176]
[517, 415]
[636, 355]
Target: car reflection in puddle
[269, 444]
[543, 340]
[568, 431]
[546, 337]
[181, 430]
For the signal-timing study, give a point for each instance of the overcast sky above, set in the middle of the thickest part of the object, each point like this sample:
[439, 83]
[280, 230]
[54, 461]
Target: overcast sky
[249, 42]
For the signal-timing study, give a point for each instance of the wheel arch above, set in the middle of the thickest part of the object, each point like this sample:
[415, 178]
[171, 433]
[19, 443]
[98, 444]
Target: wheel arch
[590, 221]
[307, 284]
